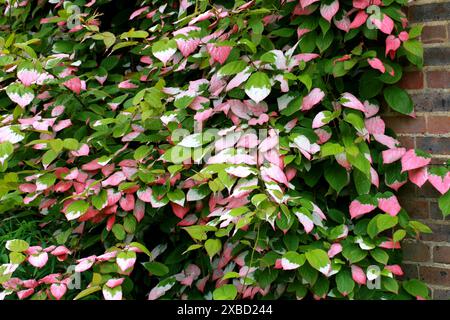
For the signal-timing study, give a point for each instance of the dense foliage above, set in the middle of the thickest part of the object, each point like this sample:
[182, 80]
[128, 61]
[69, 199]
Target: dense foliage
[202, 149]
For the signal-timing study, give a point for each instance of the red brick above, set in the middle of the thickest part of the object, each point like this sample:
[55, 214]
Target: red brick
[411, 271]
[441, 233]
[408, 190]
[427, 191]
[436, 213]
[407, 142]
[434, 34]
[441, 294]
[416, 251]
[416, 208]
[441, 254]
[438, 124]
[405, 124]
[412, 80]
[439, 79]
[433, 145]
[435, 275]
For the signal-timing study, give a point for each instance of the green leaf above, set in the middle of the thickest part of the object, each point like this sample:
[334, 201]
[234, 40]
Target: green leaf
[415, 31]
[199, 232]
[134, 34]
[142, 152]
[399, 235]
[177, 196]
[76, 209]
[344, 282]
[193, 247]
[129, 224]
[420, 227]
[444, 203]
[386, 221]
[362, 182]
[119, 232]
[331, 149]
[225, 292]
[198, 193]
[87, 292]
[141, 247]
[389, 284]
[336, 176]
[100, 200]
[48, 157]
[353, 253]
[399, 100]
[379, 255]
[156, 268]
[232, 68]
[258, 86]
[16, 257]
[416, 288]
[213, 247]
[319, 260]
[295, 259]
[17, 245]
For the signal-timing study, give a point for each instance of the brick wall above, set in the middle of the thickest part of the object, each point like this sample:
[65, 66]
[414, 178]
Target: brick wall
[428, 258]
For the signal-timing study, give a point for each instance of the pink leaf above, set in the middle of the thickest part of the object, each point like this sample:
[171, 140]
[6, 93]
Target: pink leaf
[314, 97]
[139, 210]
[58, 290]
[238, 79]
[305, 221]
[127, 203]
[115, 179]
[388, 141]
[359, 20]
[305, 3]
[218, 53]
[418, 176]
[392, 155]
[395, 269]
[390, 245]
[374, 179]
[358, 275]
[411, 160]
[389, 205]
[114, 282]
[38, 259]
[73, 84]
[145, 195]
[187, 46]
[85, 264]
[375, 125]
[377, 64]
[328, 11]
[442, 184]
[127, 84]
[386, 25]
[392, 44]
[138, 12]
[352, 102]
[318, 120]
[343, 24]
[23, 294]
[358, 209]
[403, 36]
[178, 210]
[28, 77]
[371, 109]
[275, 173]
[335, 249]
